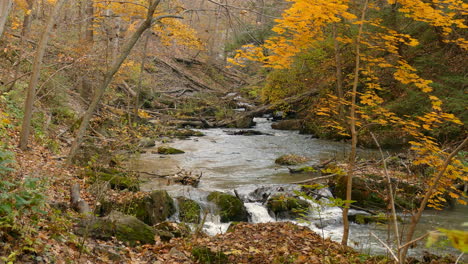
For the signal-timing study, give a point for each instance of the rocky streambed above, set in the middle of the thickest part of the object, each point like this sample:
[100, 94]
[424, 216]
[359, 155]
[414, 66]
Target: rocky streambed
[241, 182]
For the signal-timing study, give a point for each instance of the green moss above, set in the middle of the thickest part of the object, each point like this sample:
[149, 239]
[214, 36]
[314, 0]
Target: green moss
[231, 208]
[287, 206]
[169, 150]
[189, 210]
[305, 169]
[290, 159]
[173, 229]
[116, 178]
[367, 219]
[185, 133]
[153, 208]
[124, 227]
[206, 256]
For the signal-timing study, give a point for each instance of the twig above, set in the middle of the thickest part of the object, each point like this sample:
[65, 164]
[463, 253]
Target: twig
[459, 257]
[390, 194]
[415, 240]
[315, 179]
[386, 246]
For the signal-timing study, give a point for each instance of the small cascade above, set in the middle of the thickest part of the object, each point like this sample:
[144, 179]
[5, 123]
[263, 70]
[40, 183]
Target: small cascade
[213, 225]
[258, 213]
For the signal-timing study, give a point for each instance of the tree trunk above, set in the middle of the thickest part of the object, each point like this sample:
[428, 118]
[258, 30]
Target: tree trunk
[339, 74]
[89, 13]
[140, 78]
[5, 6]
[432, 187]
[24, 34]
[27, 18]
[36, 71]
[354, 139]
[108, 78]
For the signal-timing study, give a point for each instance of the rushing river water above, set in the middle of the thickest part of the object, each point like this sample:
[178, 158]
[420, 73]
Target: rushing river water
[246, 163]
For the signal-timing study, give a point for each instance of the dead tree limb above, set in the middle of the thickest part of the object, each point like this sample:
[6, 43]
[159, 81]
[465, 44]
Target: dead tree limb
[76, 202]
[269, 108]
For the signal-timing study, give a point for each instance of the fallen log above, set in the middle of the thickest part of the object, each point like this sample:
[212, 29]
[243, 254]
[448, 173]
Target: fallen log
[184, 75]
[268, 108]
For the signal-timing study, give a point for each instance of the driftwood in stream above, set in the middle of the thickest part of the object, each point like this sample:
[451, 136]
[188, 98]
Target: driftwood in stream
[197, 84]
[269, 108]
[76, 202]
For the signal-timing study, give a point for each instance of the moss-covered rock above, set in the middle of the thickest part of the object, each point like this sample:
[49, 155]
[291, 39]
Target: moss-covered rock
[189, 210]
[185, 133]
[116, 178]
[204, 255]
[307, 169]
[287, 207]
[292, 124]
[169, 230]
[125, 228]
[291, 159]
[230, 207]
[164, 150]
[245, 122]
[153, 208]
[146, 142]
[367, 219]
[369, 192]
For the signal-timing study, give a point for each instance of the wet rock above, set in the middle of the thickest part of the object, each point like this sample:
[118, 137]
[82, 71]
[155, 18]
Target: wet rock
[291, 159]
[246, 133]
[293, 124]
[185, 133]
[164, 150]
[307, 169]
[169, 230]
[146, 142]
[370, 192]
[245, 122]
[125, 228]
[367, 219]
[230, 207]
[154, 208]
[286, 206]
[189, 210]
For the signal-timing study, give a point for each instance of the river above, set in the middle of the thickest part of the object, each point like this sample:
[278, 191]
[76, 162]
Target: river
[246, 163]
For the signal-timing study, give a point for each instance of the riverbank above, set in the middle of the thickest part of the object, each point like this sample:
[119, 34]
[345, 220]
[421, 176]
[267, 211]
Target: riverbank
[58, 222]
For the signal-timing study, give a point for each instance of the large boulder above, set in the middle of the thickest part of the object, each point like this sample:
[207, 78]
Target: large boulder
[370, 192]
[168, 230]
[165, 150]
[230, 207]
[189, 210]
[291, 159]
[245, 122]
[153, 208]
[146, 142]
[125, 228]
[284, 206]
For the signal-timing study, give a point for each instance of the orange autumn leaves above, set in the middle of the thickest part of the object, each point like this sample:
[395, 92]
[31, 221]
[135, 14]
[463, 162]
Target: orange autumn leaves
[307, 24]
